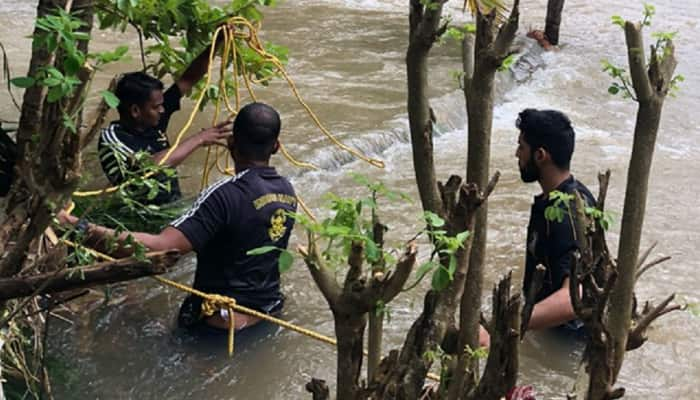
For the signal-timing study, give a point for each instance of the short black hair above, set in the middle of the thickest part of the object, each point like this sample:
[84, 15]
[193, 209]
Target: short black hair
[135, 88]
[255, 131]
[550, 130]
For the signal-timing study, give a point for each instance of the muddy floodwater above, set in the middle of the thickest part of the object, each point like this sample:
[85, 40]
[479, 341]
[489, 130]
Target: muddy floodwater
[347, 58]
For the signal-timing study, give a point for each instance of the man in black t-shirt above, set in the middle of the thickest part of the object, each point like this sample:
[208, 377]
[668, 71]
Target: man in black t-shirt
[144, 114]
[228, 219]
[545, 147]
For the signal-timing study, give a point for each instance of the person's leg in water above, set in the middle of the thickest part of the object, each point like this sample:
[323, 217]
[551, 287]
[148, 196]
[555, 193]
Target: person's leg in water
[221, 320]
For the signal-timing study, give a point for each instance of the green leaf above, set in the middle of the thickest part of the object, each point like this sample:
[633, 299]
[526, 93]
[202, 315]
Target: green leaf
[54, 94]
[613, 90]
[110, 98]
[441, 279]
[425, 268]
[618, 20]
[462, 237]
[285, 261]
[261, 250]
[372, 252]
[433, 219]
[71, 65]
[452, 267]
[52, 82]
[23, 81]
[69, 123]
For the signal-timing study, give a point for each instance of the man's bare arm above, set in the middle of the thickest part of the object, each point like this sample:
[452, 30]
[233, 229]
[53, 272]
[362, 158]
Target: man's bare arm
[99, 236]
[553, 310]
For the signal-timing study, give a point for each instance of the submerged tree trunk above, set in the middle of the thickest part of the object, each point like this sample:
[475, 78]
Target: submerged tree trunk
[553, 20]
[350, 304]
[491, 47]
[651, 86]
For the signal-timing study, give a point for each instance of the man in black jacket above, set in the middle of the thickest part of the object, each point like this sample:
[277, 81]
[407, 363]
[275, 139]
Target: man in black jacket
[228, 219]
[144, 113]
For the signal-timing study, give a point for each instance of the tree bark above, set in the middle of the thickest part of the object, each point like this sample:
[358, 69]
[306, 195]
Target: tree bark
[553, 20]
[424, 26]
[651, 87]
[350, 305]
[403, 372]
[88, 276]
[501, 371]
[47, 168]
[492, 46]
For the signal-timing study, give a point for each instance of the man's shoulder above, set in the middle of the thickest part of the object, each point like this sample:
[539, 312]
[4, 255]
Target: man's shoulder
[226, 187]
[574, 185]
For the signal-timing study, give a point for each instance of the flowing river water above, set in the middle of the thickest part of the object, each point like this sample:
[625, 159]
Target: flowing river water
[347, 57]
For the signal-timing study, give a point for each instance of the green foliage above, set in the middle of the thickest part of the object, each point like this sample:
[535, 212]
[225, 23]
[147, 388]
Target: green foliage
[693, 309]
[129, 208]
[604, 218]
[508, 62]
[23, 81]
[351, 221]
[649, 11]
[381, 309]
[446, 248]
[457, 33]
[61, 33]
[286, 259]
[481, 353]
[431, 4]
[618, 20]
[193, 23]
[110, 98]
[434, 355]
[622, 84]
[560, 206]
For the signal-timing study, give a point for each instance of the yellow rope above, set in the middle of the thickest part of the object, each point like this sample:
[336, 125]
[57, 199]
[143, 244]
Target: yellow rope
[240, 28]
[213, 302]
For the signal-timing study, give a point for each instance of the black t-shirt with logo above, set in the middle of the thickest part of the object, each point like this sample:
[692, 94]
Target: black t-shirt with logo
[116, 141]
[230, 218]
[550, 243]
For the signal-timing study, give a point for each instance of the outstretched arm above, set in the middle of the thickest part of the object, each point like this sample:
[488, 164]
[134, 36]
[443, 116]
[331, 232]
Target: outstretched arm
[210, 136]
[196, 70]
[98, 236]
[553, 310]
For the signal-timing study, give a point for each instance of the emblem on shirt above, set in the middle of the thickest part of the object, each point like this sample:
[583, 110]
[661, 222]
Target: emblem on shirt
[277, 227]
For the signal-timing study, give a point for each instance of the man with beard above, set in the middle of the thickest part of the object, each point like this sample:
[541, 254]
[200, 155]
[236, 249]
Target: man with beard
[545, 147]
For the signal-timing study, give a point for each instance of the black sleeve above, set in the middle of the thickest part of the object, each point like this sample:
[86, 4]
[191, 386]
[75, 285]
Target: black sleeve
[209, 214]
[115, 153]
[560, 247]
[171, 103]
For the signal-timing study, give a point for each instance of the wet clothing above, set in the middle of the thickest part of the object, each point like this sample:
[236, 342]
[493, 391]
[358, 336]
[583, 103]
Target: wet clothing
[551, 243]
[117, 146]
[230, 218]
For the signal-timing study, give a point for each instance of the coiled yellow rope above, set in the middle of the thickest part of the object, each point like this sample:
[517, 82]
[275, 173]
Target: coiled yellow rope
[239, 28]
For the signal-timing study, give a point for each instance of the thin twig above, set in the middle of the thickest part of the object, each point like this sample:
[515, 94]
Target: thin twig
[650, 265]
[644, 256]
